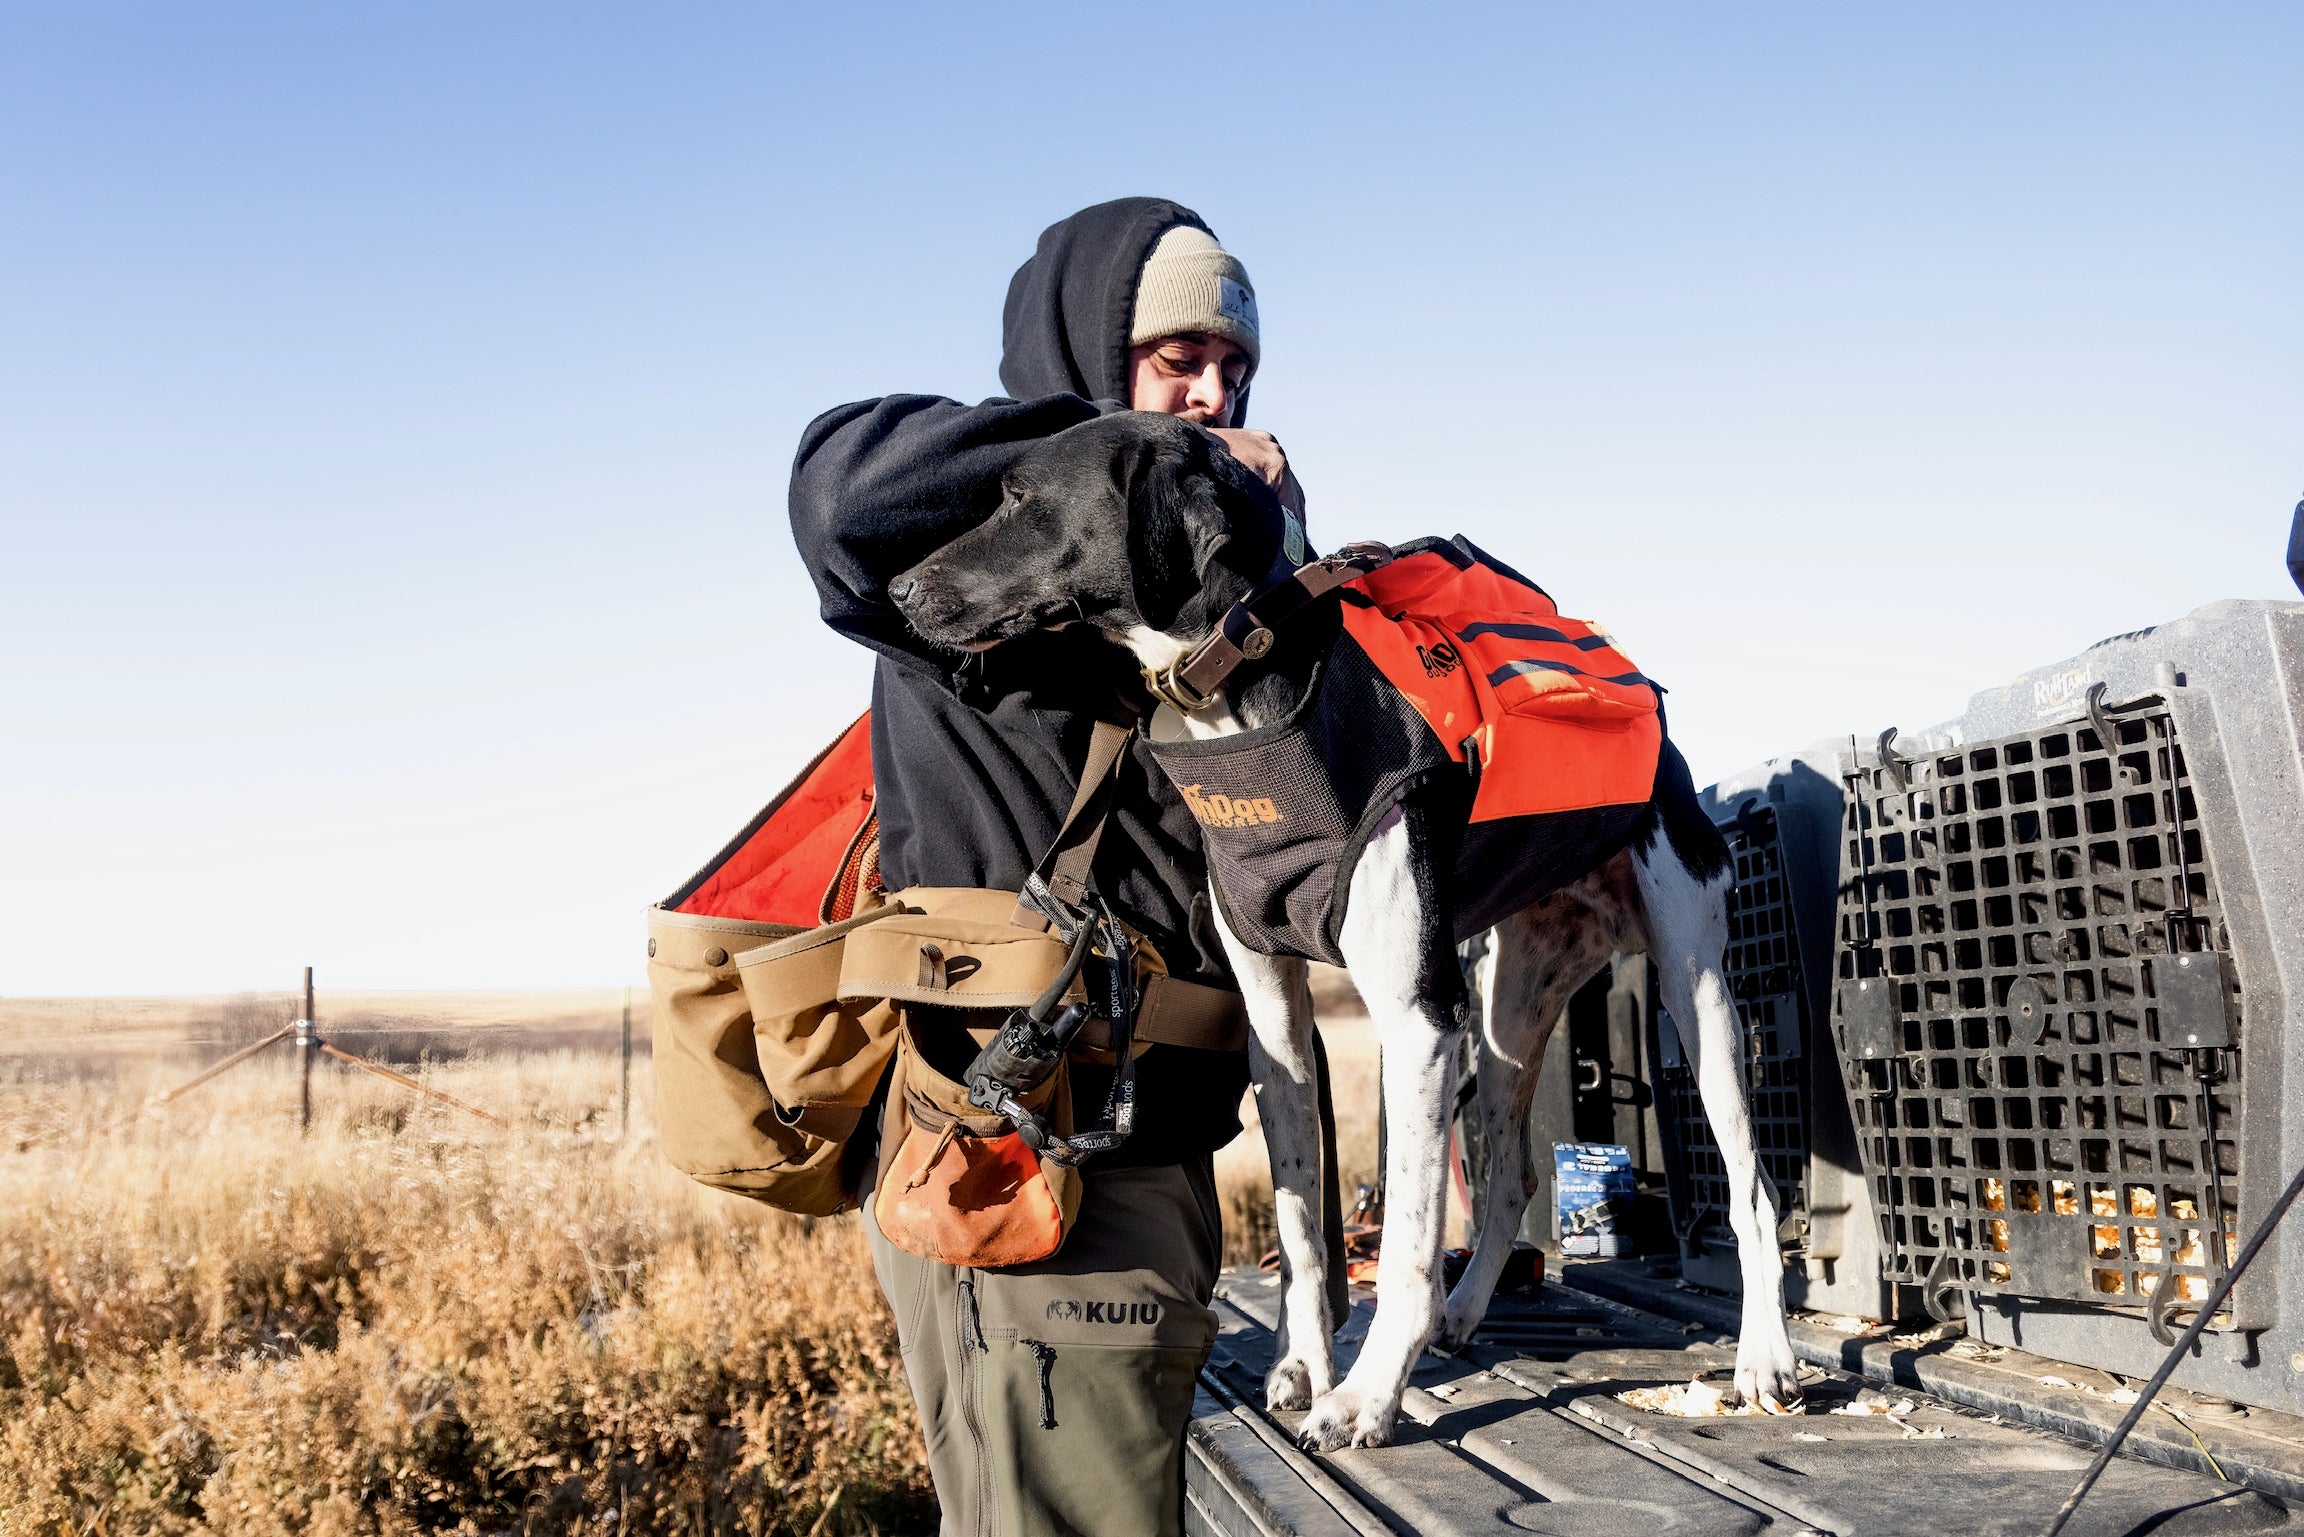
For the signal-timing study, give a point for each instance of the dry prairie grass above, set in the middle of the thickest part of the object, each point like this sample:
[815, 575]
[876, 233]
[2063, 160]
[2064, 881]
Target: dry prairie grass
[412, 1321]
[409, 1320]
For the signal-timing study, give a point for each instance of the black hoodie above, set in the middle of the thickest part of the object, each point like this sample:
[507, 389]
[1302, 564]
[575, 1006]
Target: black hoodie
[975, 760]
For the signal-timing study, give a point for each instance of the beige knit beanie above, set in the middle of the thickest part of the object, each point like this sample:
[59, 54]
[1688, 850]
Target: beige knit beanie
[1190, 283]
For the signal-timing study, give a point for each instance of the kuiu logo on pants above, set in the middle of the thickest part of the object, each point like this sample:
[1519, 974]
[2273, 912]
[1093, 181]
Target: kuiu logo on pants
[1070, 1310]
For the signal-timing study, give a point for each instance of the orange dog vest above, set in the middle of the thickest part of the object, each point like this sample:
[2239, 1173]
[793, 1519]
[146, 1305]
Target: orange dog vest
[1450, 669]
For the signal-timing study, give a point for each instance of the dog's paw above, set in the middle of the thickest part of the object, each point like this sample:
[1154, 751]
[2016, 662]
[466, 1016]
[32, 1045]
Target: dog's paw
[1347, 1416]
[1288, 1385]
[1456, 1329]
[1768, 1376]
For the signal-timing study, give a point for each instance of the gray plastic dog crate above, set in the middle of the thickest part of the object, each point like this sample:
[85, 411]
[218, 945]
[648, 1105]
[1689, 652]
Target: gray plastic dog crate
[1781, 820]
[2070, 961]
[1765, 975]
[1615, 1071]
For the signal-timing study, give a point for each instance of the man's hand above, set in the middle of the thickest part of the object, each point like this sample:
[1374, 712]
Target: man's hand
[1262, 453]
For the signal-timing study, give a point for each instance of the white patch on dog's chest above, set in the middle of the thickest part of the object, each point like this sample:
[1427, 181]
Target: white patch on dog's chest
[1169, 724]
[1156, 651]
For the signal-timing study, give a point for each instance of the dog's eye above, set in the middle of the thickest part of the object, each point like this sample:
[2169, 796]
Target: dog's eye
[1012, 487]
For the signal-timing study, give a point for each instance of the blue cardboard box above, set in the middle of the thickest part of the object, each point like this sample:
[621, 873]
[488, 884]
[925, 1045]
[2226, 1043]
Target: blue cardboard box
[1595, 1185]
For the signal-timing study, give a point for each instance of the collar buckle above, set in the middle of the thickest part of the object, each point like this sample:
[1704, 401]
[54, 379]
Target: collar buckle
[1172, 688]
[1175, 685]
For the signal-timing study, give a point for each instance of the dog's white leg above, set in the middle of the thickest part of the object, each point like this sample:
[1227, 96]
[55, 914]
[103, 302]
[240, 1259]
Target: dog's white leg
[1280, 1065]
[1387, 943]
[1537, 959]
[1687, 922]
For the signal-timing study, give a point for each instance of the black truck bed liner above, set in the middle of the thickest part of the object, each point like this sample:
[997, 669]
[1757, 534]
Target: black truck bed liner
[1524, 1433]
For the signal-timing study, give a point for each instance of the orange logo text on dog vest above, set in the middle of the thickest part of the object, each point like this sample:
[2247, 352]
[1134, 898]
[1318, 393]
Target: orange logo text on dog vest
[1230, 810]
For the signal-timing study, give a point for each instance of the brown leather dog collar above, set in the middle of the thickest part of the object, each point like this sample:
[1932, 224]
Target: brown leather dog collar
[1244, 634]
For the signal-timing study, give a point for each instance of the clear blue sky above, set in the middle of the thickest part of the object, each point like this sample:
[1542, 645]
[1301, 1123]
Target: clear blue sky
[396, 401]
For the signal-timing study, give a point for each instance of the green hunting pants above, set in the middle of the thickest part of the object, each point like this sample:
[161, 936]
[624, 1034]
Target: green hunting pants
[1055, 1395]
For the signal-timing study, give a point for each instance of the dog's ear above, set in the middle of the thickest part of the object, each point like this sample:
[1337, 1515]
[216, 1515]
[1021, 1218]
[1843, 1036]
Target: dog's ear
[1176, 520]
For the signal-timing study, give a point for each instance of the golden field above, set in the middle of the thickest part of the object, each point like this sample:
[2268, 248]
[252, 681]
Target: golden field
[411, 1320]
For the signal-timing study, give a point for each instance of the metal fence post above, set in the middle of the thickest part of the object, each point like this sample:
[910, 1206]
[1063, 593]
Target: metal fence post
[306, 1038]
[624, 1097]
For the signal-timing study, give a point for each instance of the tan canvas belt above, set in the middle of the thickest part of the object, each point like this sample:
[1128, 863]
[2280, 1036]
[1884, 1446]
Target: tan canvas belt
[1175, 1012]
[883, 951]
[1171, 1012]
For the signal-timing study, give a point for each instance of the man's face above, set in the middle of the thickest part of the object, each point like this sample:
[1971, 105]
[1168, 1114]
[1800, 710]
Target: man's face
[1193, 375]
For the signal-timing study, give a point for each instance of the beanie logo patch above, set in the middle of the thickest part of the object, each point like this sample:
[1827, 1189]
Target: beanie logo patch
[1235, 303]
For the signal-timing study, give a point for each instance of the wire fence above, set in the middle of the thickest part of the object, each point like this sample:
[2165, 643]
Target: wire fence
[399, 1040]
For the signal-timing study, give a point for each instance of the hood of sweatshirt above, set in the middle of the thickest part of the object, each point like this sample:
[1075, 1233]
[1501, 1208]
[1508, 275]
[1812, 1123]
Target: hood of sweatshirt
[1065, 327]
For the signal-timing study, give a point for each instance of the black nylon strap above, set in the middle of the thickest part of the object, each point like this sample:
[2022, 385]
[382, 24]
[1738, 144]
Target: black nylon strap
[1120, 1010]
[1056, 894]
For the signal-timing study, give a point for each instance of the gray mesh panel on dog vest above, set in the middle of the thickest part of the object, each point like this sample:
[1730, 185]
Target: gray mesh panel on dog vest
[1285, 809]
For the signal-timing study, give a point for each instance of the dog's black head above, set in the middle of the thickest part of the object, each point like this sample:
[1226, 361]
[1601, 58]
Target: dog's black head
[1132, 521]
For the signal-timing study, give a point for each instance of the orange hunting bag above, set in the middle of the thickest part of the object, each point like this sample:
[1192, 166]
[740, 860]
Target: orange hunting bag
[792, 993]
[758, 1093]
[784, 980]
[972, 1193]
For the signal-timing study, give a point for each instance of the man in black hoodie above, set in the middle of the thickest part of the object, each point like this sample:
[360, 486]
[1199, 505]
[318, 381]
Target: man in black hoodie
[1054, 1395]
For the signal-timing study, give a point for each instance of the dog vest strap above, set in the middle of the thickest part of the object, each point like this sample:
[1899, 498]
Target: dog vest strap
[1244, 634]
[1059, 887]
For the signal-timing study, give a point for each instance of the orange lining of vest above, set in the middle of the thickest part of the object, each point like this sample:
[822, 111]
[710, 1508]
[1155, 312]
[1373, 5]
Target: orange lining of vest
[1563, 719]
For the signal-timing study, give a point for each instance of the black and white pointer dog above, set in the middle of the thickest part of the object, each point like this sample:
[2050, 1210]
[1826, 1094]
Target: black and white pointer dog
[1126, 524]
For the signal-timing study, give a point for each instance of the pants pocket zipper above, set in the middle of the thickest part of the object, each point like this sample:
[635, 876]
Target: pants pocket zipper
[1044, 1354]
[972, 1348]
[971, 1319]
